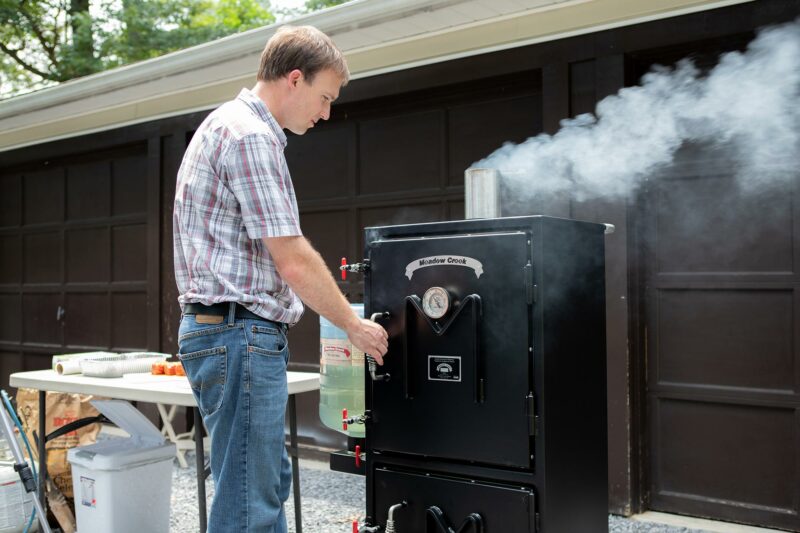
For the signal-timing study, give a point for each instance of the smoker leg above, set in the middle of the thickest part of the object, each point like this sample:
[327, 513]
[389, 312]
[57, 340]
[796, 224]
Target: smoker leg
[298, 520]
[201, 469]
[42, 450]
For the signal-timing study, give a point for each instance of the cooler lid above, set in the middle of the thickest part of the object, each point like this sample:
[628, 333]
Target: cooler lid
[127, 417]
[120, 454]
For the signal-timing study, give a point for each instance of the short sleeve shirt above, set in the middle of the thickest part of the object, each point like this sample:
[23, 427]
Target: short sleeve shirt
[234, 189]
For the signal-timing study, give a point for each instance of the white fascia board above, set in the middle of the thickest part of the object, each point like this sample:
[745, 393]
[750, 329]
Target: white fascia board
[341, 18]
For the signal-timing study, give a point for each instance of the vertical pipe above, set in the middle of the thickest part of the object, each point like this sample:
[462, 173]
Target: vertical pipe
[42, 449]
[298, 521]
[482, 193]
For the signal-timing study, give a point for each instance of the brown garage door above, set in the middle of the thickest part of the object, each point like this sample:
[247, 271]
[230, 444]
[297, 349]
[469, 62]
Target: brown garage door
[722, 323]
[74, 258]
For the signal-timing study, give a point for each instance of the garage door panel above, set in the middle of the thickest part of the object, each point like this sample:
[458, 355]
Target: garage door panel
[328, 232]
[11, 324]
[40, 321]
[128, 190]
[87, 324]
[470, 131]
[88, 188]
[729, 338]
[712, 224]
[10, 200]
[10, 259]
[43, 196]
[129, 253]
[726, 454]
[128, 324]
[42, 257]
[401, 153]
[88, 255]
[321, 163]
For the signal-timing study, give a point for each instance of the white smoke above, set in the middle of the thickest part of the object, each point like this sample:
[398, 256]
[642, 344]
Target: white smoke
[749, 104]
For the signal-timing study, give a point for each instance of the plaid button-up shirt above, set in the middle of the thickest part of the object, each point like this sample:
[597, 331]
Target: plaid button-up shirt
[234, 189]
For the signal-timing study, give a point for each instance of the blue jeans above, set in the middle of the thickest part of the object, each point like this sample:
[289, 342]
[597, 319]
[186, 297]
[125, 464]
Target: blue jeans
[237, 370]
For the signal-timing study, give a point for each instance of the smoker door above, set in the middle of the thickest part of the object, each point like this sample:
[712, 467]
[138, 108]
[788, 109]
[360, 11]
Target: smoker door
[460, 387]
[438, 504]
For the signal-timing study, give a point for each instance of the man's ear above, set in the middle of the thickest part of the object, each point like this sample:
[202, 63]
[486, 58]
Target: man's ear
[294, 77]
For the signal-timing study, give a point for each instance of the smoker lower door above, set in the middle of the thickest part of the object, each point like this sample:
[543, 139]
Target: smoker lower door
[500, 508]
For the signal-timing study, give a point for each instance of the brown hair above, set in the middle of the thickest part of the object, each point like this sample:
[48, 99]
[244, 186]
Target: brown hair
[304, 48]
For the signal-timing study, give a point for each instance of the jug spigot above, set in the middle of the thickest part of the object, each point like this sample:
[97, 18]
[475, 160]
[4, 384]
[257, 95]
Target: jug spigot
[360, 419]
[354, 267]
[365, 528]
[357, 452]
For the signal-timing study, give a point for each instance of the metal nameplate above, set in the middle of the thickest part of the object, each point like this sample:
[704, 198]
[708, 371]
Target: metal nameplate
[444, 368]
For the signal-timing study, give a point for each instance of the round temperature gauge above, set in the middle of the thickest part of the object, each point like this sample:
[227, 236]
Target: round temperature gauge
[436, 302]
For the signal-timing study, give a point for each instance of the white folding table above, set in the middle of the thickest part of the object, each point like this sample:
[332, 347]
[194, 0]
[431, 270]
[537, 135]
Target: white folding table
[162, 390]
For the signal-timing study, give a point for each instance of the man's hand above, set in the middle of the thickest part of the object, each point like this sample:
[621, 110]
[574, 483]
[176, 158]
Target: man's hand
[370, 337]
[306, 273]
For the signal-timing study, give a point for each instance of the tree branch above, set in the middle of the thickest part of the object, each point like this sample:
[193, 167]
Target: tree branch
[48, 48]
[10, 52]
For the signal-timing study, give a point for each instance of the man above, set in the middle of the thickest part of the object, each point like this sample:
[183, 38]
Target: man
[242, 267]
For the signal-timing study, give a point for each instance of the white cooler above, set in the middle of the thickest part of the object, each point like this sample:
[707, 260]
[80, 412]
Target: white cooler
[123, 485]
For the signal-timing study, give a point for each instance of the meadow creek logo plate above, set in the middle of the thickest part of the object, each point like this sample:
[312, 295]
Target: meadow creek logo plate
[444, 260]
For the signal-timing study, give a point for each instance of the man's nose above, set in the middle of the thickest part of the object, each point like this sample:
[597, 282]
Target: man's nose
[326, 112]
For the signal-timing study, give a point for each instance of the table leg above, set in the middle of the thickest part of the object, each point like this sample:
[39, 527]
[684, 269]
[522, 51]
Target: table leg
[166, 419]
[201, 469]
[298, 519]
[42, 450]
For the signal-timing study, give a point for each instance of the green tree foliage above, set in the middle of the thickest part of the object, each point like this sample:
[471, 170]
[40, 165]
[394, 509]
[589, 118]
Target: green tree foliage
[50, 41]
[314, 5]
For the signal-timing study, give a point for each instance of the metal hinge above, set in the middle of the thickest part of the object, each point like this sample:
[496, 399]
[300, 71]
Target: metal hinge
[530, 288]
[532, 418]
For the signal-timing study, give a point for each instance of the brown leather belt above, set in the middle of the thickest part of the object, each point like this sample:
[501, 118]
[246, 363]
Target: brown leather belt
[221, 309]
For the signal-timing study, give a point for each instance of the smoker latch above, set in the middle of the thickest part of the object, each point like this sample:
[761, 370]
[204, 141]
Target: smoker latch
[355, 267]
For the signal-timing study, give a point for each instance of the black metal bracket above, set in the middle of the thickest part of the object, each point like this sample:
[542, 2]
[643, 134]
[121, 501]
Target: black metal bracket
[473, 302]
[434, 518]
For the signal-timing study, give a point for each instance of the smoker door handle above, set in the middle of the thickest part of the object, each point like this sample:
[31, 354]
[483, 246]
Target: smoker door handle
[372, 365]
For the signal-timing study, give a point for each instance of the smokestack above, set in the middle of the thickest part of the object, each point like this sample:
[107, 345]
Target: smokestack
[482, 193]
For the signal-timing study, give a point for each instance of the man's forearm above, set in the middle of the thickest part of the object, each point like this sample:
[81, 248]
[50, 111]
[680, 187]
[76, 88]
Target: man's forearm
[305, 272]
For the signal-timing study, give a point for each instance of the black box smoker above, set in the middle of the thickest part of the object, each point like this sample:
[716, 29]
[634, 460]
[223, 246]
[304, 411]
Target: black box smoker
[489, 414]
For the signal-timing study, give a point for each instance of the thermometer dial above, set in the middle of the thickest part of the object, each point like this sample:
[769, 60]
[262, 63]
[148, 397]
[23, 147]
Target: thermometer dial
[436, 302]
